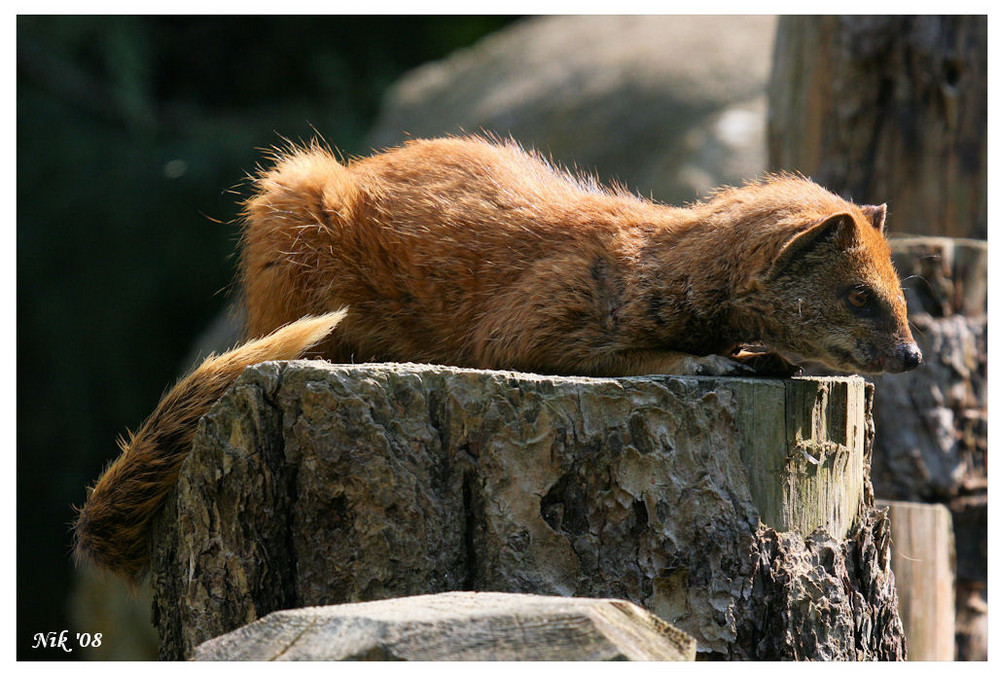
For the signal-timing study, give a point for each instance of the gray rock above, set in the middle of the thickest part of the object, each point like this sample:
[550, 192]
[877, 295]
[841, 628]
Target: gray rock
[668, 105]
[457, 626]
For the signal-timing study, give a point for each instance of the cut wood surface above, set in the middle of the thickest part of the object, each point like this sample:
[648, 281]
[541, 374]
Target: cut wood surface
[457, 627]
[804, 454]
[318, 484]
[923, 563]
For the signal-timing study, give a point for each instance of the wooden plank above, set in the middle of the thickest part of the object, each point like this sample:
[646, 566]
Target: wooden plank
[457, 627]
[923, 562]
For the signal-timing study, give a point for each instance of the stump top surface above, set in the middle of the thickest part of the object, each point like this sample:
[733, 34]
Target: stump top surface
[425, 369]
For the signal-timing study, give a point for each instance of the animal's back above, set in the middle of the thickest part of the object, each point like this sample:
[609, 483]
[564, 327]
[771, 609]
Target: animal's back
[417, 242]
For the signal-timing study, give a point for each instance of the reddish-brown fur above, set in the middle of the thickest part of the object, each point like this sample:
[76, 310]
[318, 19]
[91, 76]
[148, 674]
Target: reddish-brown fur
[472, 253]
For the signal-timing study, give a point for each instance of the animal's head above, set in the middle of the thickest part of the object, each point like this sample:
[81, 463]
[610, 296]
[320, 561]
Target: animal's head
[837, 296]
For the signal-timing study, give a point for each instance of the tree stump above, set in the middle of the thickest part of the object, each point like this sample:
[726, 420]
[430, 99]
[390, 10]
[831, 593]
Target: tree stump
[316, 484]
[886, 109]
[457, 627]
[932, 421]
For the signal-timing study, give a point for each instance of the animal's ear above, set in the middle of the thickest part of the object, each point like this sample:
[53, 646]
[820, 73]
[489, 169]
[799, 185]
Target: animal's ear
[875, 215]
[839, 229]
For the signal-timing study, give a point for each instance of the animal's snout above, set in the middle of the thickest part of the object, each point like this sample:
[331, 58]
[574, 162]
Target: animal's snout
[909, 356]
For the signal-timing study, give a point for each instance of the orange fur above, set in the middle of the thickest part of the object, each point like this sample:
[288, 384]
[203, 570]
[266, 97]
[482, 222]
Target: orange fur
[474, 253]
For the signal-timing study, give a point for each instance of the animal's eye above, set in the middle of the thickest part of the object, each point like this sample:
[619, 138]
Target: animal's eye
[858, 297]
[862, 300]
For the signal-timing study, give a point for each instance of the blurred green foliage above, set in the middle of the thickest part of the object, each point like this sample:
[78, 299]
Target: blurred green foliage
[132, 133]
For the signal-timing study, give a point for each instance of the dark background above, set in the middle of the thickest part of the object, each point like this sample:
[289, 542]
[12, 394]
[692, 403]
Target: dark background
[133, 136]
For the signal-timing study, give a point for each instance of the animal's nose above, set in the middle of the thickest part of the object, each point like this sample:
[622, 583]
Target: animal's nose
[911, 356]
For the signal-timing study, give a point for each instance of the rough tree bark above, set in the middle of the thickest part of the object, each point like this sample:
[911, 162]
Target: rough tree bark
[931, 444]
[314, 484]
[886, 109]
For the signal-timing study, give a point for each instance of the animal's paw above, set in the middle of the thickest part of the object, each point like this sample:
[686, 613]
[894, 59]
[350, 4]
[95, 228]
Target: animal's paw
[768, 364]
[714, 364]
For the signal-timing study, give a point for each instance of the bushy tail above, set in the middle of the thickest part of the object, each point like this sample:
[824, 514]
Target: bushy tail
[112, 528]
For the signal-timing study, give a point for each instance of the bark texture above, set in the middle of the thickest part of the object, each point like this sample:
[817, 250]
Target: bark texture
[886, 109]
[314, 484]
[457, 626]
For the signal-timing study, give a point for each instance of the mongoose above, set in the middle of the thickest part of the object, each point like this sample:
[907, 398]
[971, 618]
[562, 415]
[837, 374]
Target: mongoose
[475, 252]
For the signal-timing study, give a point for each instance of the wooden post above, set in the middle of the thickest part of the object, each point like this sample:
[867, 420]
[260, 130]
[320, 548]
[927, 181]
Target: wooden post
[923, 562]
[893, 109]
[886, 109]
[805, 456]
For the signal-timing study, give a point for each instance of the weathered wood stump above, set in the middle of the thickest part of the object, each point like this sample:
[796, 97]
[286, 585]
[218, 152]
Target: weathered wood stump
[737, 509]
[932, 421]
[457, 627]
